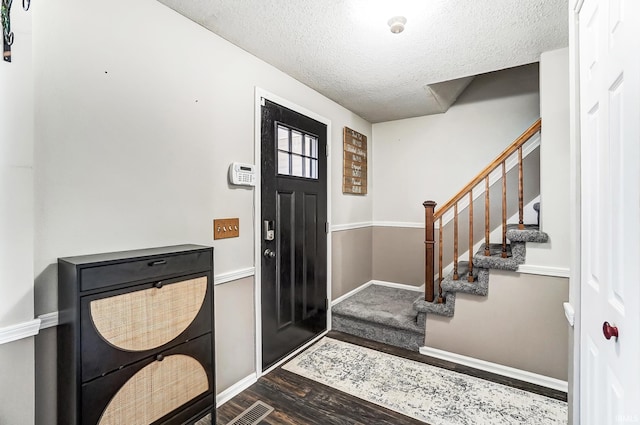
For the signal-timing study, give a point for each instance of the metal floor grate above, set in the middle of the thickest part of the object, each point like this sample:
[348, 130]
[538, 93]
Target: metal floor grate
[253, 415]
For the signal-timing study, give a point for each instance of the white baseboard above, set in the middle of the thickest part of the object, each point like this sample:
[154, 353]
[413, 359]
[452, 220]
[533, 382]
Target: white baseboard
[235, 389]
[544, 270]
[352, 292]
[377, 282]
[19, 331]
[498, 369]
[398, 285]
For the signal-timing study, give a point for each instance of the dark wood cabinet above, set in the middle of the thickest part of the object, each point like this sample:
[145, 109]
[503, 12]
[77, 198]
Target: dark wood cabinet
[136, 337]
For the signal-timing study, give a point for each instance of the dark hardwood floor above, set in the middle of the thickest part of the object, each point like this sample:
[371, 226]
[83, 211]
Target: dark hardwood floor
[300, 401]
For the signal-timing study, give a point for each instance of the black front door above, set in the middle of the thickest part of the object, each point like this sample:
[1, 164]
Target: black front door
[294, 237]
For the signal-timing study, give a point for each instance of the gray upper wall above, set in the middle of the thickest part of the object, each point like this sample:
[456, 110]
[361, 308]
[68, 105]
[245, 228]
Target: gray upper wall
[432, 157]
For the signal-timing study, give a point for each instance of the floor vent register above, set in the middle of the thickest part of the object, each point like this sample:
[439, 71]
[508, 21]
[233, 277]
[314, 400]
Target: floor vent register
[253, 415]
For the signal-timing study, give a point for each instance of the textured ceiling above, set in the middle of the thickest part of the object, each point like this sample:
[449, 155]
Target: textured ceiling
[344, 49]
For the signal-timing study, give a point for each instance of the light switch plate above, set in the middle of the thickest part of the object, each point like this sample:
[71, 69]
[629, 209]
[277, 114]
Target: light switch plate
[224, 228]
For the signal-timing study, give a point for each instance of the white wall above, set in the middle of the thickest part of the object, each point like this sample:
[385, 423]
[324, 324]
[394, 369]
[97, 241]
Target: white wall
[16, 182]
[16, 222]
[432, 157]
[555, 200]
[136, 129]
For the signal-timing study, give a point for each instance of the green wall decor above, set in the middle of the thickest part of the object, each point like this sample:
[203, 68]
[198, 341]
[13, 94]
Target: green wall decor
[7, 34]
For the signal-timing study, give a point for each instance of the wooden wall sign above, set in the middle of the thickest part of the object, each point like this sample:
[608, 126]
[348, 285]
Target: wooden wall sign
[354, 176]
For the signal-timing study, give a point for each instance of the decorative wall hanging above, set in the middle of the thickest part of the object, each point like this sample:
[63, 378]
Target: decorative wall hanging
[354, 178]
[7, 34]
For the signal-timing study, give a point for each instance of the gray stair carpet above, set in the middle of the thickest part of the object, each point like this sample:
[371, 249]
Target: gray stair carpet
[382, 314]
[398, 316]
[480, 286]
[516, 253]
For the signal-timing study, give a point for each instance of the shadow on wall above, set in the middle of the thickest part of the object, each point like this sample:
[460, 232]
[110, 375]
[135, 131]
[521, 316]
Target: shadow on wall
[531, 167]
[16, 311]
[504, 83]
[46, 301]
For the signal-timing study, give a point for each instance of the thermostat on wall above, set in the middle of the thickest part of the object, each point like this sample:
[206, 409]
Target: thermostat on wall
[242, 174]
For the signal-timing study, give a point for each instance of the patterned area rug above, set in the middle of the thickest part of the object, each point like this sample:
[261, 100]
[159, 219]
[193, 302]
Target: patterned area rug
[427, 393]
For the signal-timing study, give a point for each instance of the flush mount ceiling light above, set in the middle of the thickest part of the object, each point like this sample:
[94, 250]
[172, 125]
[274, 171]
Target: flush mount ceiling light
[396, 24]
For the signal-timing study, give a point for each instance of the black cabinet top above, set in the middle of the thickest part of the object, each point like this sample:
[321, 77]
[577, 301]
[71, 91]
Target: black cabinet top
[132, 255]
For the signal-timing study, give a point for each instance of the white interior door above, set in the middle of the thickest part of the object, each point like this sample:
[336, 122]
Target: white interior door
[609, 49]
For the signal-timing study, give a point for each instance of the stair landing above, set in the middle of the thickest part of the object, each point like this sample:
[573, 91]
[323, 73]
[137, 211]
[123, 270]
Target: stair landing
[382, 314]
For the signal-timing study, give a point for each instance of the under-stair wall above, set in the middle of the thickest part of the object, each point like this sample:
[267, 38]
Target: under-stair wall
[519, 324]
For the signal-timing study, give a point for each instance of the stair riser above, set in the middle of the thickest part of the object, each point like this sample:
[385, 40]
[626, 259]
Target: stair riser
[392, 336]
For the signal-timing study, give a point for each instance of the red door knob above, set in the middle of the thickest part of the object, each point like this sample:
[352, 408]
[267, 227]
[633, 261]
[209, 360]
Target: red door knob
[609, 330]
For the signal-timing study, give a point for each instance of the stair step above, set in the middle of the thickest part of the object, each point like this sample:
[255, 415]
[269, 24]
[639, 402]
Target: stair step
[530, 233]
[463, 272]
[516, 252]
[442, 309]
[479, 286]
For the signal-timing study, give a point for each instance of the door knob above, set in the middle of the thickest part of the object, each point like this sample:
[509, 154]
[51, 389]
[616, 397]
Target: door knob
[609, 330]
[268, 253]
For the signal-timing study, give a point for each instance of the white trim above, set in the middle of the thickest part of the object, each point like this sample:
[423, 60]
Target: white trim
[364, 224]
[48, 320]
[257, 229]
[544, 270]
[351, 226]
[19, 331]
[577, 5]
[235, 389]
[257, 209]
[408, 224]
[510, 372]
[569, 313]
[575, 202]
[494, 176]
[294, 353]
[221, 278]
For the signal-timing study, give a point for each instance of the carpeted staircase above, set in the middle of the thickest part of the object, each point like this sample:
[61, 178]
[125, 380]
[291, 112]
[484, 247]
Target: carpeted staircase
[398, 316]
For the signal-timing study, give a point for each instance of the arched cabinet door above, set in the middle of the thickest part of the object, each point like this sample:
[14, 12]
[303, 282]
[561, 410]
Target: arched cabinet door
[127, 325]
[152, 389]
[148, 318]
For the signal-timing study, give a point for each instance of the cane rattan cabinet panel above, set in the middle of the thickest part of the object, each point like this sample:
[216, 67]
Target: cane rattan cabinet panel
[136, 340]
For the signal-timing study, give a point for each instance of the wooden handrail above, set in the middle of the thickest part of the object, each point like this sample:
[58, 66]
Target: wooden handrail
[535, 127]
[431, 216]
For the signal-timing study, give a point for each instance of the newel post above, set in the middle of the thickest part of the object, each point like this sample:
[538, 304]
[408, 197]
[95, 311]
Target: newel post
[429, 242]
